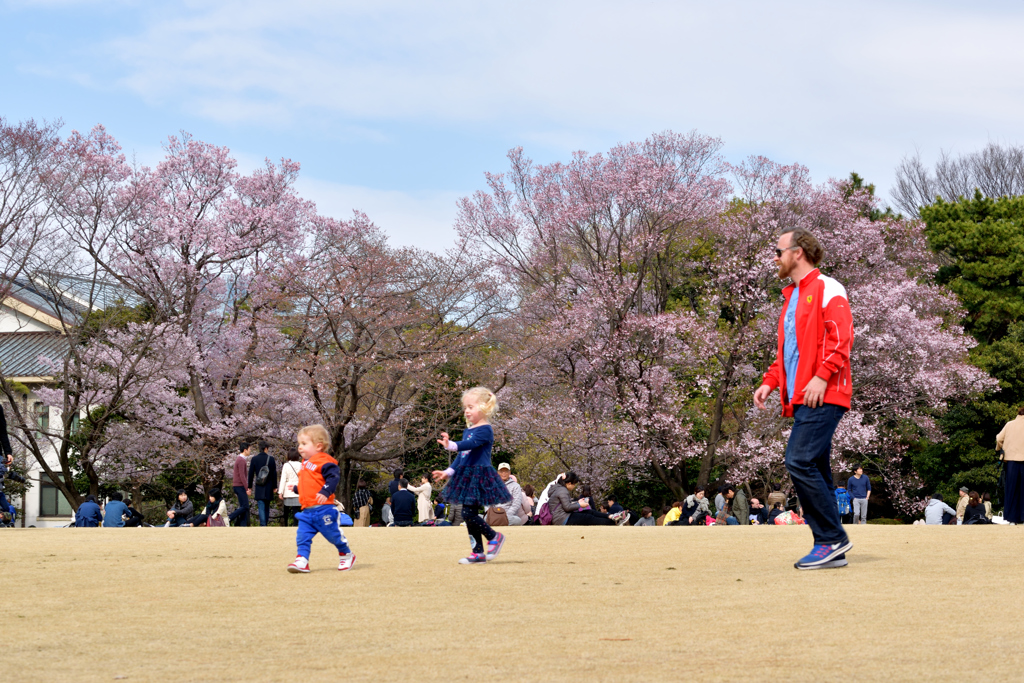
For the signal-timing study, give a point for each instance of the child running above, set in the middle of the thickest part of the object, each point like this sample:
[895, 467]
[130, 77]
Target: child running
[473, 480]
[318, 478]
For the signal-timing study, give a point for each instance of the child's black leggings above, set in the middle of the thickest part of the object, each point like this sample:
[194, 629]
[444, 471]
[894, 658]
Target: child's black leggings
[477, 527]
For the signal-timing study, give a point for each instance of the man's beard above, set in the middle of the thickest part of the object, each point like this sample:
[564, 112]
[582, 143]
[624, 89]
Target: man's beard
[784, 270]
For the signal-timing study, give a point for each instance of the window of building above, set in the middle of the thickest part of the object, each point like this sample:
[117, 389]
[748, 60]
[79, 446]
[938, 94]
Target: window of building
[52, 502]
[42, 415]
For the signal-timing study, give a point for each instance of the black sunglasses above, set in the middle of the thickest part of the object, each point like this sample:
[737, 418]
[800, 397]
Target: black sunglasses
[778, 252]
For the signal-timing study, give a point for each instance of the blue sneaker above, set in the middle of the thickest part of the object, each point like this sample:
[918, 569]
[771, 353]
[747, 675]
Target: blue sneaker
[474, 558]
[494, 547]
[825, 556]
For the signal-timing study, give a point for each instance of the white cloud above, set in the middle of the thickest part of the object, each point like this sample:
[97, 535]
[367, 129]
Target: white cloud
[834, 86]
[419, 219]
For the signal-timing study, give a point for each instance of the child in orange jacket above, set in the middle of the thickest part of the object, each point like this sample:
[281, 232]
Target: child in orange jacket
[318, 479]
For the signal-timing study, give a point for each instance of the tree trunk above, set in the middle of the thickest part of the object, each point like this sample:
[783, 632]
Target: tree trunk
[672, 478]
[344, 490]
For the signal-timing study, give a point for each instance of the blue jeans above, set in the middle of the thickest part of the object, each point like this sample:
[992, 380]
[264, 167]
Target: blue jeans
[264, 510]
[809, 461]
[319, 519]
[242, 513]
[1013, 503]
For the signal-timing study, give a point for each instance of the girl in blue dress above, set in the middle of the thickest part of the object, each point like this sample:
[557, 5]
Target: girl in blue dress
[473, 481]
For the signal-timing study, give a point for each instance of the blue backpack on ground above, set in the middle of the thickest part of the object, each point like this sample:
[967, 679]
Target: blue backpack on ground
[843, 501]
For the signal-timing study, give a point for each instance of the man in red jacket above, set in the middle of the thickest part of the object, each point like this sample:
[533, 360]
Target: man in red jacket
[812, 372]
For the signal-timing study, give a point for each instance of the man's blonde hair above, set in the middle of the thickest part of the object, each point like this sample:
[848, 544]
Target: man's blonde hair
[317, 435]
[488, 401]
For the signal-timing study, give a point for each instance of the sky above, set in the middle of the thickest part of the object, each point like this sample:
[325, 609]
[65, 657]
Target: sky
[399, 108]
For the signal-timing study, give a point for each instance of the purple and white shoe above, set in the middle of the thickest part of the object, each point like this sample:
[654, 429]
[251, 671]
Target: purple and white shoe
[474, 558]
[494, 547]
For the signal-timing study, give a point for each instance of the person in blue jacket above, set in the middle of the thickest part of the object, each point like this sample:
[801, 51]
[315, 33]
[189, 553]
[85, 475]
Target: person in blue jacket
[89, 513]
[473, 481]
[114, 514]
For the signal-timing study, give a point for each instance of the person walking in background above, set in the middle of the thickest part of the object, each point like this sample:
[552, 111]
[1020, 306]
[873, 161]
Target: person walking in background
[288, 486]
[1010, 441]
[859, 488]
[362, 501]
[812, 372]
[6, 461]
[961, 504]
[239, 482]
[422, 493]
[318, 480]
[115, 510]
[262, 481]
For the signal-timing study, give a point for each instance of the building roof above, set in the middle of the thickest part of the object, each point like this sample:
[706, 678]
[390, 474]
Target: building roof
[20, 352]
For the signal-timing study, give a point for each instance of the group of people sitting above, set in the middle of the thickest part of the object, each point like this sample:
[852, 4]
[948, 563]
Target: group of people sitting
[971, 508]
[116, 513]
[731, 507]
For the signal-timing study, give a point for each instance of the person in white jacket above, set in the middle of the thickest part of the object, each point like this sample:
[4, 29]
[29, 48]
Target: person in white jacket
[287, 486]
[423, 504]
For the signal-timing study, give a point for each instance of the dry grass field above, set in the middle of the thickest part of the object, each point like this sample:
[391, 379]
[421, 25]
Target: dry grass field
[609, 604]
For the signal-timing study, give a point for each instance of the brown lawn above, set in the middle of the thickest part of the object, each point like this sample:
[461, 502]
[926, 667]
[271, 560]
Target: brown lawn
[580, 604]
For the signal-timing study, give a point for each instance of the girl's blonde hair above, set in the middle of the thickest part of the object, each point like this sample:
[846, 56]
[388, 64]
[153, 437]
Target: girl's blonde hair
[317, 434]
[488, 401]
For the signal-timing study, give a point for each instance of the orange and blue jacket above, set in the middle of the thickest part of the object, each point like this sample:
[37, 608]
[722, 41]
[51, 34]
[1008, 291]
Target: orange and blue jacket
[319, 474]
[824, 330]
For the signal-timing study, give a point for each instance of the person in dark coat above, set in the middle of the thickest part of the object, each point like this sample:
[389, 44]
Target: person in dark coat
[89, 513]
[6, 459]
[263, 493]
[393, 484]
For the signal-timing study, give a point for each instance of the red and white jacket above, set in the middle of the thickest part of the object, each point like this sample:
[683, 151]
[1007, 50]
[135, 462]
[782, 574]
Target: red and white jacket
[824, 336]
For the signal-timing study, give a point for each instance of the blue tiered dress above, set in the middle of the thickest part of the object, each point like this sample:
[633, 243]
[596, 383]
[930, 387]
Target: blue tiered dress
[474, 480]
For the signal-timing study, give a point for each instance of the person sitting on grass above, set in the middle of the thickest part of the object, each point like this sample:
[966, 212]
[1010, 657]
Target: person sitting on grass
[89, 513]
[565, 510]
[115, 511]
[937, 512]
[975, 511]
[758, 512]
[695, 508]
[214, 515]
[671, 517]
[646, 517]
[180, 511]
[387, 517]
[777, 509]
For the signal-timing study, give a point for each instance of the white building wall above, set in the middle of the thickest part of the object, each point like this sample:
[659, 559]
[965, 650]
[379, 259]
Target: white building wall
[12, 321]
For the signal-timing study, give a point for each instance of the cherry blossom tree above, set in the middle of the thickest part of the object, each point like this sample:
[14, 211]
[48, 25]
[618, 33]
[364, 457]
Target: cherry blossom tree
[382, 339]
[199, 248]
[648, 303]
